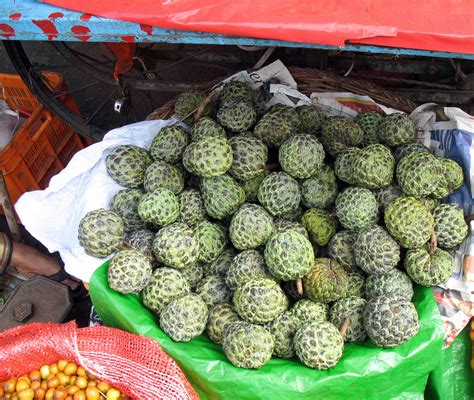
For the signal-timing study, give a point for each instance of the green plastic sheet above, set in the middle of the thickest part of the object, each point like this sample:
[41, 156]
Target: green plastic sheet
[364, 371]
[453, 378]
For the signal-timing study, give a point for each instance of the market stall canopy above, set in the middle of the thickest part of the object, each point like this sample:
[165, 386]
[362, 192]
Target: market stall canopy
[437, 25]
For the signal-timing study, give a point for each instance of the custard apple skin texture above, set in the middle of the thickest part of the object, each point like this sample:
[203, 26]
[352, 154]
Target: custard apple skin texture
[301, 156]
[409, 222]
[450, 227]
[169, 144]
[142, 241]
[159, 208]
[356, 285]
[222, 264]
[306, 311]
[394, 283]
[397, 129]
[213, 290]
[352, 308]
[356, 208]
[129, 272]
[219, 317]
[417, 174]
[344, 165]
[207, 127]
[101, 232]
[176, 246]
[341, 249]
[339, 133]
[279, 193]
[390, 321]
[184, 318]
[245, 266]
[373, 166]
[236, 90]
[311, 119]
[375, 251]
[326, 281]
[286, 111]
[222, 196]
[320, 189]
[251, 227]
[237, 115]
[319, 345]
[125, 203]
[289, 255]
[259, 301]
[249, 157]
[320, 225]
[283, 330]
[191, 209]
[247, 345]
[163, 175]
[166, 284]
[187, 103]
[273, 129]
[212, 240]
[127, 164]
[429, 269]
[370, 125]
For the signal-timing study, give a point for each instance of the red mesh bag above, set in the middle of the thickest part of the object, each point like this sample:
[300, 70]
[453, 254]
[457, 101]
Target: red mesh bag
[135, 365]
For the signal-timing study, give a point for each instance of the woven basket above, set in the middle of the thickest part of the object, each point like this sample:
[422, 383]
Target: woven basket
[313, 81]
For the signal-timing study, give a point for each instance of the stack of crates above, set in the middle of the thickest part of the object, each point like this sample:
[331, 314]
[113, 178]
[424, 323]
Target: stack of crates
[42, 146]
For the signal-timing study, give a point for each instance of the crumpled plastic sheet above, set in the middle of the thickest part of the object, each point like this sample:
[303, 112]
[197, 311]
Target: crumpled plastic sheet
[438, 25]
[364, 371]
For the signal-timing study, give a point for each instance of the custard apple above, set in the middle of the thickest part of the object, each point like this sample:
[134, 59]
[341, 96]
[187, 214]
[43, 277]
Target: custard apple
[352, 308]
[222, 196]
[319, 345]
[166, 284]
[250, 156]
[386, 195]
[339, 133]
[222, 264]
[176, 246]
[208, 157]
[409, 222]
[250, 227]
[163, 175]
[169, 144]
[397, 129]
[213, 290]
[101, 232]
[245, 266]
[219, 317]
[341, 249]
[274, 128]
[282, 225]
[247, 345]
[409, 148]
[237, 115]
[326, 281]
[356, 284]
[212, 240]
[259, 301]
[393, 283]
[207, 127]
[236, 90]
[373, 166]
[370, 124]
[127, 164]
[283, 330]
[251, 186]
[320, 189]
[390, 321]
[191, 209]
[375, 251]
[429, 269]
[301, 155]
[125, 203]
[306, 311]
[279, 193]
[311, 119]
[184, 318]
[320, 225]
[159, 208]
[344, 165]
[187, 104]
[142, 241]
[289, 255]
[450, 227]
[193, 274]
[417, 174]
[356, 208]
[287, 111]
[452, 172]
[129, 272]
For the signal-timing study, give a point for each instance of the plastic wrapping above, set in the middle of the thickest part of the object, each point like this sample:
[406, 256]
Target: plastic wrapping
[135, 365]
[364, 372]
[440, 25]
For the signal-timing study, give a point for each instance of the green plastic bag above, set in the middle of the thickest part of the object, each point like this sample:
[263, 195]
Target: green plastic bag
[453, 378]
[364, 371]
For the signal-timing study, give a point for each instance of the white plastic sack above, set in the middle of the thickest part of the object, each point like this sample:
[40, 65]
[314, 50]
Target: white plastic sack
[52, 215]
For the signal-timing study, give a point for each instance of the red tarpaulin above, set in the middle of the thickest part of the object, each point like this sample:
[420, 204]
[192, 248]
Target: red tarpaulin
[438, 25]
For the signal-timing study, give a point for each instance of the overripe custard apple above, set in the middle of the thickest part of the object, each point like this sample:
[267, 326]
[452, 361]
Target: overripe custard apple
[319, 345]
[129, 272]
[142, 241]
[127, 164]
[289, 255]
[184, 318]
[390, 321]
[279, 193]
[301, 155]
[251, 226]
[259, 301]
[247, 345]
[101, 232]
[166, 284]
[176, 246]
[341, 249]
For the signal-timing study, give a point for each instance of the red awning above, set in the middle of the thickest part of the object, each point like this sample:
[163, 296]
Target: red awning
[437, 25]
